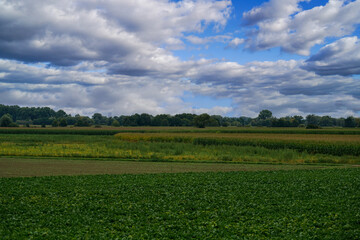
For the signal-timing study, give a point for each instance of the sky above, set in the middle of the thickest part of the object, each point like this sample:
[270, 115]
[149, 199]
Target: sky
[231, 58]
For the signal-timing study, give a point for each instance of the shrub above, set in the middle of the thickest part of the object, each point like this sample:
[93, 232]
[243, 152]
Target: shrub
[312, 126]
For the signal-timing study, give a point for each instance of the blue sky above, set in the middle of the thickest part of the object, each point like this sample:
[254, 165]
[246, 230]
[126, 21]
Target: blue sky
[232, 58]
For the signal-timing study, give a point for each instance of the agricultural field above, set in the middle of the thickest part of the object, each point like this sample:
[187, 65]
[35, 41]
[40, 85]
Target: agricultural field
[287, 146]
[295, 204]
[163, 183]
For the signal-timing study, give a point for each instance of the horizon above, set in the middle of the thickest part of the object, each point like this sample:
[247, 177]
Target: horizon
[228, 58]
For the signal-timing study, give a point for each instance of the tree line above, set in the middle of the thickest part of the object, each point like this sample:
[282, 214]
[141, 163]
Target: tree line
[12, 116]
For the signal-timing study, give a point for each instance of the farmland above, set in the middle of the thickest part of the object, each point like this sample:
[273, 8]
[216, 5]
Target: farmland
[297, 204]
[253, 145]
[253, 183]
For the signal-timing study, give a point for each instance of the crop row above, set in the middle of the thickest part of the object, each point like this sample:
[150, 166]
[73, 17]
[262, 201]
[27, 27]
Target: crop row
[313, 147]
[320, 204]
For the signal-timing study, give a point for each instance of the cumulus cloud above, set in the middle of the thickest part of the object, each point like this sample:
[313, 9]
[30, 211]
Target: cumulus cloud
[100, 56]
[273, 9]
[338, 58]
[284, 24]
[89, 92]
[284, 87]
[68, 32]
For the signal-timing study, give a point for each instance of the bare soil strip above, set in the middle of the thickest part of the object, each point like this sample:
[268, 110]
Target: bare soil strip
[17, 167]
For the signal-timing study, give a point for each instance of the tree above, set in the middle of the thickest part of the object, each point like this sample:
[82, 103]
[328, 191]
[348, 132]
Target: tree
[61, 114]
[63, 122]
[326, 121]
[145, 119]
[350, 122]
[83, 121]
[6, 120]
[312, 119]
[202, 120]
[55, 123]
[99, 119]
[265, 114]
[115, 123]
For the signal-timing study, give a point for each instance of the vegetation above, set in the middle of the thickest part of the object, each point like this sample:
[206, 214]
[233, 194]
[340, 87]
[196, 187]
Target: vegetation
[46, 116]
[338, 147]
[293, 204]
[198, 146]
[320, 204]
[6, 121]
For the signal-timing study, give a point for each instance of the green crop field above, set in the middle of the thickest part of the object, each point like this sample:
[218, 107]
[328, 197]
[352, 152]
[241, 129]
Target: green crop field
[251, 183]
[245, 145]
[296, 204]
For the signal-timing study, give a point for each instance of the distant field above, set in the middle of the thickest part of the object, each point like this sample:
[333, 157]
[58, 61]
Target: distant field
[298, 204]
[112, 148]
[324, 144]
[265, 145]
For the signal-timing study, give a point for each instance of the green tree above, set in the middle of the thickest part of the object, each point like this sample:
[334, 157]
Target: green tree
[202, 120]
[55, 123]
[60, 114]
[83, 121]
[265, 114]
[6, 120]
[99, 119]
[312, 119]
[115, 123]
[350, 122]
[63, 122]
[145, 119]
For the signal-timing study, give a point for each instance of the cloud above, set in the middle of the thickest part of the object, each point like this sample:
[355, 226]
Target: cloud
[338, 58]
[67, 32]
[283, 24]
[204, 40]
[236, 42]
[271, 10]
[100, 56]
[89, 92]
[284, 87]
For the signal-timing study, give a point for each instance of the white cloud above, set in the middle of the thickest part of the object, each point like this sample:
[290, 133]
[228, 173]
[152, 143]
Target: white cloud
[100, 56]
[68, 32]
[284, 87]
[236, 42]
[284, 24]
[89, 92]
[339, 58]
[274, 9]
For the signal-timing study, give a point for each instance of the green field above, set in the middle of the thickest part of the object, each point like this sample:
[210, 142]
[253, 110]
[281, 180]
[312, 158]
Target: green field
[176, 183]
[186, 144]
[297, 204]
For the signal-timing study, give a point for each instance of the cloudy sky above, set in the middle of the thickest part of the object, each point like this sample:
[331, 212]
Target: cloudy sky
[233, 58]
